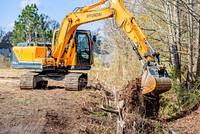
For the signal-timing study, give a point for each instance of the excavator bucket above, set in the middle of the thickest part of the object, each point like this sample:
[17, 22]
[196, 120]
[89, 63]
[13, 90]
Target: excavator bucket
[154, 83]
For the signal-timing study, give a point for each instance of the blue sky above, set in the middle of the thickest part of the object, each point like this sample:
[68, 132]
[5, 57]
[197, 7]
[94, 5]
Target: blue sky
[56, 9]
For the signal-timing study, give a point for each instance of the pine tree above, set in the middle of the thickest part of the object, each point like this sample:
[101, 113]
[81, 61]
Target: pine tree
[31, 26]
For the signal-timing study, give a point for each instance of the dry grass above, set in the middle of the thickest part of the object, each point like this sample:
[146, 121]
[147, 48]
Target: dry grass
[117, 74]
[5, 64]
[12, 72]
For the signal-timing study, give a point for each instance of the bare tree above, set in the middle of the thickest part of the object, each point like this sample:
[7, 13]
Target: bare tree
[190, 47]
[198, 51]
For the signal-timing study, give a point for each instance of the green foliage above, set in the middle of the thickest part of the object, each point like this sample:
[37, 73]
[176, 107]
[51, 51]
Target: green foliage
[160, 129]
[180, 99]
[31, 26]
[7, 37]
[197, 84]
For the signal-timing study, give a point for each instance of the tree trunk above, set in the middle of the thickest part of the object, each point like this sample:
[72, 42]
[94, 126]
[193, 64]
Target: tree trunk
[173, 43]
[198, 51]
[190, 48]
[177, 37]
[171, 39]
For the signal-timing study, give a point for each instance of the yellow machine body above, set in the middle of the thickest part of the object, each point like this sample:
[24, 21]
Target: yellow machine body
[39, 56]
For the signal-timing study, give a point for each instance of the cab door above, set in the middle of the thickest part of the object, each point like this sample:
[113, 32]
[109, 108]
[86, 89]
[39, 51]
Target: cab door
[83, 48]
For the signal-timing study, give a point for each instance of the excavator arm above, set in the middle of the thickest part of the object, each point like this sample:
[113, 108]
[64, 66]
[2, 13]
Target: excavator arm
[154, 76]
[85, 15]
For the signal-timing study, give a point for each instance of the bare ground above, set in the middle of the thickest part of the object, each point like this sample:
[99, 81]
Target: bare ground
[55, 110]
[189, 124]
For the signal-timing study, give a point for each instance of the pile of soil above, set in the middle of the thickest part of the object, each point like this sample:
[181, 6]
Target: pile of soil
[133, 99]
[139, 109]
[135, 102]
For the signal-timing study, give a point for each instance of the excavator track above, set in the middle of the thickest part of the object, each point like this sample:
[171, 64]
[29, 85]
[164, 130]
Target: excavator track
[32, 80]
[27, 81]
[75, 81]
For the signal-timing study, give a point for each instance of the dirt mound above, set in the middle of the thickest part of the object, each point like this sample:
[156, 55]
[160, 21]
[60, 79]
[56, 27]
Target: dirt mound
[145, 105]
[138, 109]
[132, 97]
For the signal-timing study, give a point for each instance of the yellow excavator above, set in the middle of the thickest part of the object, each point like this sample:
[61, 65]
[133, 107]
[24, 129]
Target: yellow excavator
[71, 49]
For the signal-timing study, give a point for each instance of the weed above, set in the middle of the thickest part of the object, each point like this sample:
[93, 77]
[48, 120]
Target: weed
[160, 129]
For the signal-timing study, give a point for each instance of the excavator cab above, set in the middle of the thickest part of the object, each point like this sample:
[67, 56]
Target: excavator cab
[83, 48]
[78, 51]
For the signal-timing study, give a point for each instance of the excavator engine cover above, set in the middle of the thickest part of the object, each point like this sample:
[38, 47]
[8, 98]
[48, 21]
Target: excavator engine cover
[155, 81]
